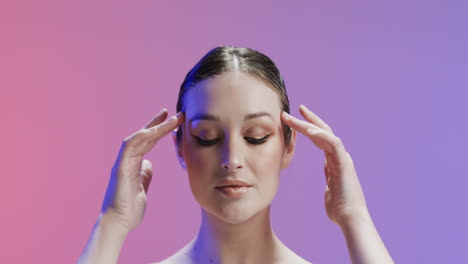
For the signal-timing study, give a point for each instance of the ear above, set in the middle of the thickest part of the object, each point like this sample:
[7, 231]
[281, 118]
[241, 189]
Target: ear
[289, 151]
[178, 149]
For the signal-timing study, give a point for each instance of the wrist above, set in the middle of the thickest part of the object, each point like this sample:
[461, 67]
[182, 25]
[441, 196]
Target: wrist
[363, 240]
[109, 222]
[361, 217]
[106, 241]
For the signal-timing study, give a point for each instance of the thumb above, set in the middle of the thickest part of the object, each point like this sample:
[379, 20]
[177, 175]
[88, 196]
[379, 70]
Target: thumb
[146, 174]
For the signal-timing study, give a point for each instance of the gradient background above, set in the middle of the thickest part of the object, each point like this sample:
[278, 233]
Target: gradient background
[390, 77]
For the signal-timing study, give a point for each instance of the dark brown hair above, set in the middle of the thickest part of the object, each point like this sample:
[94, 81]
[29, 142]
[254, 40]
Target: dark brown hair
[224, 59]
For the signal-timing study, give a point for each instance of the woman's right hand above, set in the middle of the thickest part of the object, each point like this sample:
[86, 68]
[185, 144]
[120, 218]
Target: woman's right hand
[125, 198]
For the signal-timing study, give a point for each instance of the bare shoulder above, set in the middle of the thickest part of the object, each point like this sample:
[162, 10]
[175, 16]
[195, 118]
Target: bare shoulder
[174, 260]
[171, 261]
[180, 257]
[177, 260]
[296, 261]
[294, 258]
[289, 256]
[183, 257]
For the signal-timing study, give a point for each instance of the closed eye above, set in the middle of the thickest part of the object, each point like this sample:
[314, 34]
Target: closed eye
[206, 142]
[250, 140]
[257, 141]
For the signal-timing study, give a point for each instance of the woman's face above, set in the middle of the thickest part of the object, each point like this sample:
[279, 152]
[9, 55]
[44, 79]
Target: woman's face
[233, 130]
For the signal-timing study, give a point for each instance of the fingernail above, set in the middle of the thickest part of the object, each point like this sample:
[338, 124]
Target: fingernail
[303, 107]
[178, 115]
[162, 111]
[287, 116]
[312, 131]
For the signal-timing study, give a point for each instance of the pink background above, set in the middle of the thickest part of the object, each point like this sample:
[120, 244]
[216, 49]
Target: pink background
[390, 77]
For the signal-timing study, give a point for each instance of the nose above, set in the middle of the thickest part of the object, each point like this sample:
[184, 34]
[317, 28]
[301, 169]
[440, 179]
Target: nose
[232, 153]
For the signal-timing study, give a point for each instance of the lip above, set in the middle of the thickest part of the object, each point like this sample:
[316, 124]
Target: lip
[234, 192]
[233, 188]
[233, 183]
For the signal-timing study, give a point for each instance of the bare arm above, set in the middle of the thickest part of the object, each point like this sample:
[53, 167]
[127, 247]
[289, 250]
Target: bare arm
[125, 199]
[105, 242]
[344, 198]
[363, 241]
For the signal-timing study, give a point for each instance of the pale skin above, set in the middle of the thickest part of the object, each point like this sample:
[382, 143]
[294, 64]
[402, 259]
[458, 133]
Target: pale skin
[227, 237]
[344, 199]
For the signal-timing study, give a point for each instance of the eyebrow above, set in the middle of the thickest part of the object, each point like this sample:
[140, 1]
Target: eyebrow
[200, 116]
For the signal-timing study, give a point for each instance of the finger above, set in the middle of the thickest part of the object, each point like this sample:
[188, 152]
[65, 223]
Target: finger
[160, 130]
[146, 174]
[326, 171]
[351, 162]
[321, 138]
[158, 118]
[349, 156]
[313, 118]
[142, 141]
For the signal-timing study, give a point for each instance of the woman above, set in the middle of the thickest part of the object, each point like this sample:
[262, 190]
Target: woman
[233, 136]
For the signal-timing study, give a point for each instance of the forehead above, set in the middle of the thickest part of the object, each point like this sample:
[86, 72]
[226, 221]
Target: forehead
[232, 96]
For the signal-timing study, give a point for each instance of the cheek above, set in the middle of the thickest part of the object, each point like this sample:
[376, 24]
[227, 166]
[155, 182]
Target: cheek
[200, 162]
[195, 159]
[267, 166]
[267, 163]
[272, 155]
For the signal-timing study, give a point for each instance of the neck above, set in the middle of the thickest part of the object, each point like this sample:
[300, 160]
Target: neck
[251, 241]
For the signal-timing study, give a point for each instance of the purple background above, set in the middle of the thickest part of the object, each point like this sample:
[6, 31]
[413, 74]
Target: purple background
[390, 77]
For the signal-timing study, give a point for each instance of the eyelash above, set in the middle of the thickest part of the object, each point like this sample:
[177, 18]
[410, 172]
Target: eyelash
[253, 141]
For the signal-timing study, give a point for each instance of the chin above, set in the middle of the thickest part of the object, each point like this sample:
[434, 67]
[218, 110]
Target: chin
[234, 213]
[234, 217]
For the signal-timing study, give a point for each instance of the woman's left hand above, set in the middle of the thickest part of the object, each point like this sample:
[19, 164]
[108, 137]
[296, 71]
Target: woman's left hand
[344, 199]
